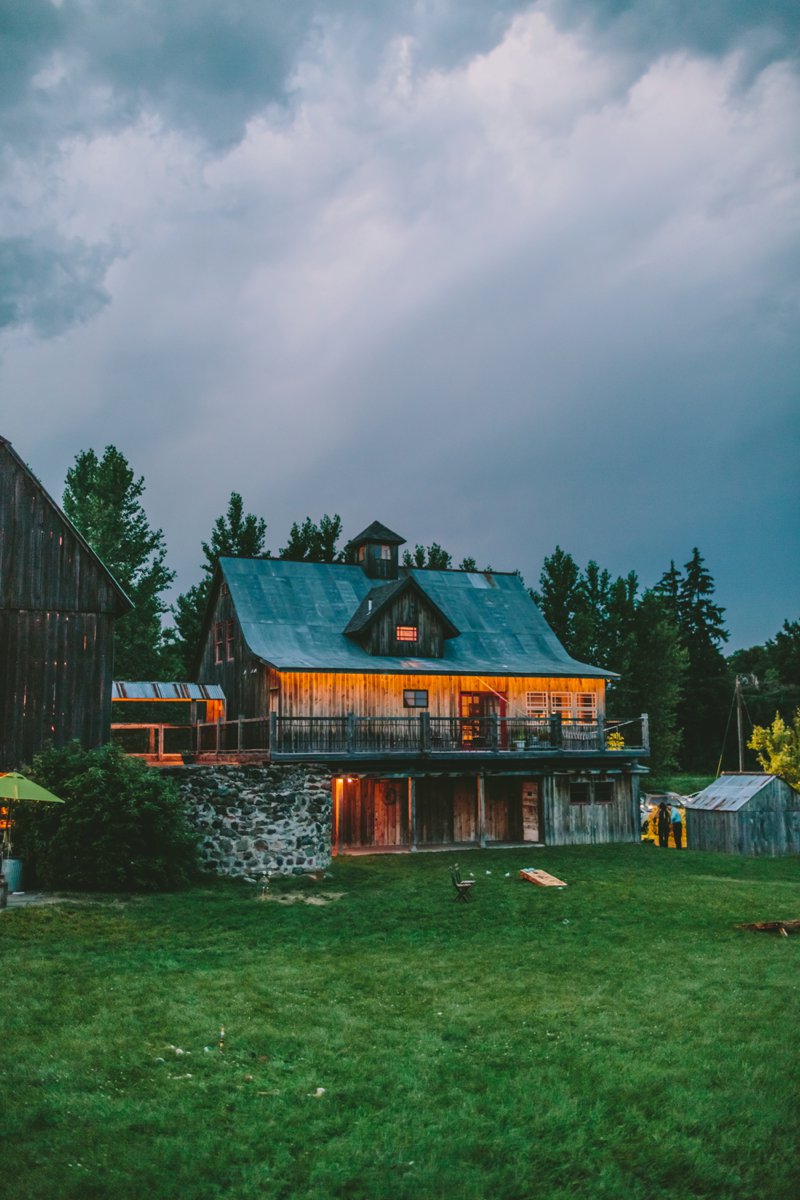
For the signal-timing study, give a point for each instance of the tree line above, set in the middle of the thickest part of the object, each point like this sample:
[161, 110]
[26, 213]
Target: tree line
[663, 642]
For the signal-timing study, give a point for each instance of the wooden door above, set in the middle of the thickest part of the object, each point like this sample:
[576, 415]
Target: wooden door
[477, 710]
[530, 810]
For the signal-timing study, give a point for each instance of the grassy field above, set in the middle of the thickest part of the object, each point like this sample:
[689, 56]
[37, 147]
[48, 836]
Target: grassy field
[620, 1038]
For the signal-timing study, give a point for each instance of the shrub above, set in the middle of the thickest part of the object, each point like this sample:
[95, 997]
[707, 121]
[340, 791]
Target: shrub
[124, 827]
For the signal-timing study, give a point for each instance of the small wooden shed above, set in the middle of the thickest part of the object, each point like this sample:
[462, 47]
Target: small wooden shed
[745, 814]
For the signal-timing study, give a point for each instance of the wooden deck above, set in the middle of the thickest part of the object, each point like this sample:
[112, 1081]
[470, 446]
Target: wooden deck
[355, 738]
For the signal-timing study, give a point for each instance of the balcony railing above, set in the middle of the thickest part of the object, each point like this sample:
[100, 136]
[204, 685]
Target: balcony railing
[352, 735]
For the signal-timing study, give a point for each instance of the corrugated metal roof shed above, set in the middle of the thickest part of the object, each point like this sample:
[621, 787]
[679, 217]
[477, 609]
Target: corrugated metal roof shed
[729, 793]
[142, 690]
[293, 616]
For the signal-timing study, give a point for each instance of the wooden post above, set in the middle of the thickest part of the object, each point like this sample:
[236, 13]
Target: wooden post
[424, 732]
[151, 741]
[494, 731]
[646, 731]
[159, 742]
[350, 732]
[556, 731]
[412, 812]
[273, 731]
[239, 734]
[481, 781]
[601, 733]
[218, 741]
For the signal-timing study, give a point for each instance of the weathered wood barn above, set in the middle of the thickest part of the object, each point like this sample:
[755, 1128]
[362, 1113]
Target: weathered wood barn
[745, 814]
[58, 604]
[447, 710]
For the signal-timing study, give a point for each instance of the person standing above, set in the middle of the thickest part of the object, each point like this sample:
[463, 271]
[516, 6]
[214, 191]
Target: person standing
[677, 825]
[663, 824]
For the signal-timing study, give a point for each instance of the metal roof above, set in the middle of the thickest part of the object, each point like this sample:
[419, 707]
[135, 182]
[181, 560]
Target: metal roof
[293, 616]
[729, 793]
[141, 690]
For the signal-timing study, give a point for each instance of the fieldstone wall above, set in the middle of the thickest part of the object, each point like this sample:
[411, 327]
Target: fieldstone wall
[256, 821]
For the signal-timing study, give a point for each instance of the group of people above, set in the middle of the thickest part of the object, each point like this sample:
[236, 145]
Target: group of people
[669, 818]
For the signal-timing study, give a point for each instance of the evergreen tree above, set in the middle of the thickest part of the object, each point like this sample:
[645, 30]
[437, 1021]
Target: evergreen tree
[315, 543]
[235, 534]
[102, 498]
[559, 597]
[590, 625]
[703, 709]
[431, 558]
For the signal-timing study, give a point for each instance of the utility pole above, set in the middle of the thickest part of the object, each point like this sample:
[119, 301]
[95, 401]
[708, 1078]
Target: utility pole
[739, 722]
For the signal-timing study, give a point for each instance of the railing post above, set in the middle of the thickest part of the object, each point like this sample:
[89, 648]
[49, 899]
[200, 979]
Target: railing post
[480, 784]
[646, 731]
[350, 732]
[601, 733]
[159, 742]
[424, 732]
[239, 735]
[494, 731]
[272, 741]
[151, 741]
[556, 731]
[218, 741]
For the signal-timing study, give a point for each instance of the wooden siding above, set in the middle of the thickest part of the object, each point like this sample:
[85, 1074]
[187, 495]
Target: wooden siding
[57, 610]
[516, 810]
[55, 681]
[333, 694]
[244, 679]
[44, 566]
[407, 609]
[567, 824]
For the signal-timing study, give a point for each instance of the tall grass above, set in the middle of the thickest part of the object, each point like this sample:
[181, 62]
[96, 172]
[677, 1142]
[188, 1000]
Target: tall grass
[620, 1038]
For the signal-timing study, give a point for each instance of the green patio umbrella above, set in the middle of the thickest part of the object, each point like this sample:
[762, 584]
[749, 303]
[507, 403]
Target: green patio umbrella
[14, 786]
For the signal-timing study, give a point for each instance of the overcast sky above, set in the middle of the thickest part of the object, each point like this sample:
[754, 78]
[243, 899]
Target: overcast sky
[500, 275]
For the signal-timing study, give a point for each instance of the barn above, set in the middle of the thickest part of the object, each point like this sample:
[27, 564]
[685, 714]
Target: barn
[442, 706]
[58, 604]
[745, 814]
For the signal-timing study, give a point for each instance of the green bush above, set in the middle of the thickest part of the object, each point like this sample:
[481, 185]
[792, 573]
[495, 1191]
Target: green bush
[123, 827]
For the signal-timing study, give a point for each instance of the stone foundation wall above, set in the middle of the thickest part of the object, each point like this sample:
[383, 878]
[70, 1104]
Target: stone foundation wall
[256, 821]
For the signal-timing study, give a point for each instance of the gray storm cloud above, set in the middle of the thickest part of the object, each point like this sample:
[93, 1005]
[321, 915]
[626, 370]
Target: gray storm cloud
[500, 275]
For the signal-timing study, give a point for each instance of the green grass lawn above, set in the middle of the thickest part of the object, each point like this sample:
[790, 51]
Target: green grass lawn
[618, 1039]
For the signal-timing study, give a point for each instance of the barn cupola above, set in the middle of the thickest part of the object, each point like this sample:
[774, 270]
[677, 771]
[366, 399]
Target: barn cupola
[376, 551]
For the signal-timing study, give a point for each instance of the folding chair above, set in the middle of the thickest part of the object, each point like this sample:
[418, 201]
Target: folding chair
[463, 886]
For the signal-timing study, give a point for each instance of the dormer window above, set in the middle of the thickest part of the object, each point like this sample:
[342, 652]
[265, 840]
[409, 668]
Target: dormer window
[406, 633]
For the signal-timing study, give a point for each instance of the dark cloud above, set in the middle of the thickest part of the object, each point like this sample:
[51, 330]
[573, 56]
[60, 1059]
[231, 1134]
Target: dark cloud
[496, 281]
[50, 283]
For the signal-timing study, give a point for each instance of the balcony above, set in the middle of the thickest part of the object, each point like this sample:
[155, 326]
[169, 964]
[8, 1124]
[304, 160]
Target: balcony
[353, 737]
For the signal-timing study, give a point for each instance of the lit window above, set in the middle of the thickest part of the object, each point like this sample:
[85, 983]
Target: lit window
[561, 704]
[406, 633]
[219, 641]
[230, 635]
[415, 699]
[362, 550]
[578, 793]
[586, 706]
[386, 551]
[536, 705]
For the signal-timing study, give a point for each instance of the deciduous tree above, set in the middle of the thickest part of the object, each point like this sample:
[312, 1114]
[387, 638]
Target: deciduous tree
[778, 748]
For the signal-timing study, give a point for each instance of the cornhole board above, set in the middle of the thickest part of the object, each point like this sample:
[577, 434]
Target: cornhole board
[542, 878]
